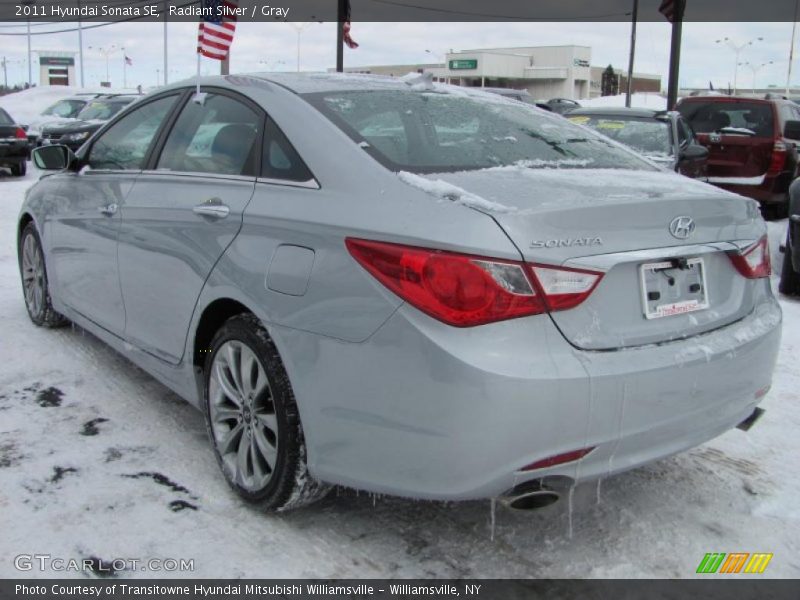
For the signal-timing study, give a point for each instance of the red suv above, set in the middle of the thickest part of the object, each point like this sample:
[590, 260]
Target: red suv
[751, 143]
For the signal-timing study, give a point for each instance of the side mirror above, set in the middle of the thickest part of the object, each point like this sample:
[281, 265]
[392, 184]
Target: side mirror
[694, 152]
[792, 130]
[52, 158]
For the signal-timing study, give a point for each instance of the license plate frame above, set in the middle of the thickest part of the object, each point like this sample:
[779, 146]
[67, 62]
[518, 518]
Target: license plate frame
[693, 273]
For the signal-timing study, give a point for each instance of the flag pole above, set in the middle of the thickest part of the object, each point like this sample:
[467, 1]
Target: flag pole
[675, 54]
[198, 73]
[340, 17]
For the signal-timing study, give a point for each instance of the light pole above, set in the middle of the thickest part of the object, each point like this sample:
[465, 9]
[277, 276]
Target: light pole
[124, 68]
[737, 49]
[755, 69]
[5, 62]
[298, 27]
[274, 63]
[106, 51]
[158, 77]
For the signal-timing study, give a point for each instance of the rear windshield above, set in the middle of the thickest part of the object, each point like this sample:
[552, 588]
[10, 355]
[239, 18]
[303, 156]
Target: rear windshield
[651, 137]
[430, 131]
[102, 110]
[749, 118]
[5, 118]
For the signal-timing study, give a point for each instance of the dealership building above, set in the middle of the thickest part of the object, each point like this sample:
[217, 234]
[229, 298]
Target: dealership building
[545, 71]
[56, 67]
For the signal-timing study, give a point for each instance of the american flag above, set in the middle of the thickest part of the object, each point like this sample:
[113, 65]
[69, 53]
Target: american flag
[351, 43]
[672, 9]
[215, 36]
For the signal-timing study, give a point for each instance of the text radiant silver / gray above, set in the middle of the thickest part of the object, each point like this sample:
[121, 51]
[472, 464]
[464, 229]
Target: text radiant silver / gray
[339, 272]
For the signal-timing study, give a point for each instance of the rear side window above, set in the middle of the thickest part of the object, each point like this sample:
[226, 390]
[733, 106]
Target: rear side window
[752, 118]
[279, 159]
[436, 131]
[5, 118]
[124, 145]
[218, 136]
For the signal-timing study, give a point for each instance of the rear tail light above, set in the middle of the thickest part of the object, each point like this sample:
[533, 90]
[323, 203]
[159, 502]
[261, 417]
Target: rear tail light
[465, 290]
[753, 262]
[20, 134]
[558, 459]
[779, 154]
[564, 287]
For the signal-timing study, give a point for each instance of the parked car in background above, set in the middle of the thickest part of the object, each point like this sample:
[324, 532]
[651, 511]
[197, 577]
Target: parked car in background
[662, 136]
[66, 108]
[96, 112]
[790, 273]
[367, 283]
[752, 145]
[13, 145]
[562, 105]
[520, 95]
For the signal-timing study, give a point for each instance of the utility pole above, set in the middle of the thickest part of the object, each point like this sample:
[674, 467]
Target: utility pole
[340, 17]
[675, 54]
[80, 42]
[30, 60]
[166, 64]
[5, 74]
[633, 52]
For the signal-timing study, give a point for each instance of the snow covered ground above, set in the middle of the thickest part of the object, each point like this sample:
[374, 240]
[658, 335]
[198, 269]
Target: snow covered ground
[98, 460]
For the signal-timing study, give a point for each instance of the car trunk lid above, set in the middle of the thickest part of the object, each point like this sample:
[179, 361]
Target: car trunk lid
[616, 221]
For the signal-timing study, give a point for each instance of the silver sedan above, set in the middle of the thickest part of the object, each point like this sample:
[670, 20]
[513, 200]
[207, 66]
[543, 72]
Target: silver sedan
[404, 287]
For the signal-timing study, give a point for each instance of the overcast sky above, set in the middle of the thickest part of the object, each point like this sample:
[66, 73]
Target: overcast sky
[273, 46]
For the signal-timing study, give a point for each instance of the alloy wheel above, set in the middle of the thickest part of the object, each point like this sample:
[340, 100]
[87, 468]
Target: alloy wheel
[242, 416]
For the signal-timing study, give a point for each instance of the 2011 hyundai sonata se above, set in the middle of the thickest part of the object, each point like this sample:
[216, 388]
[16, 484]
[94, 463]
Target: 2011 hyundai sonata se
[404, 287]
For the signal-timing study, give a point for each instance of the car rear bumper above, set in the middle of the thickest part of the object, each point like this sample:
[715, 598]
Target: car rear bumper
[429, 411]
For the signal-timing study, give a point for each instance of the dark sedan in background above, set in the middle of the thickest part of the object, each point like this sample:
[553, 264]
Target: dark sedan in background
[97, 112]
[662, 136]
[13, 145]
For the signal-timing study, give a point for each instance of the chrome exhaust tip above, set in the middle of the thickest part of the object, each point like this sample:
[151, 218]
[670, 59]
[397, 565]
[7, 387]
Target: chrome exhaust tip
[531, 496]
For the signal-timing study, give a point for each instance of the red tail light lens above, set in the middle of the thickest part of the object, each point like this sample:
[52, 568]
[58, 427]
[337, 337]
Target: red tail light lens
[753, 262]
[558, 459]
[20, 134]
[465, 290]
[779, 154]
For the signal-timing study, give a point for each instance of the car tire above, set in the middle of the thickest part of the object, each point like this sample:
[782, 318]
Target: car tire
[253, 420]
[790, 279]
[19, 169]
[35, 287]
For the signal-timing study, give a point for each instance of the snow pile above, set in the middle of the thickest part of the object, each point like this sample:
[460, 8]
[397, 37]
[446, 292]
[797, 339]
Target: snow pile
[642, 100]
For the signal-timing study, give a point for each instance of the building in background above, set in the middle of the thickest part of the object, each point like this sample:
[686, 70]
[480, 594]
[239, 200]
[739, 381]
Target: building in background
[56, 67]
[544, 71]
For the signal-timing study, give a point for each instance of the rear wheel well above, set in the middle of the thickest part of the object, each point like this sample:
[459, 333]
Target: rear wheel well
[214, 315]
[23, 223]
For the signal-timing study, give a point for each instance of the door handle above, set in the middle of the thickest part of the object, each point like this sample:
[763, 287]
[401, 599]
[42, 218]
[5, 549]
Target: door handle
[107, 210]
[213, 208]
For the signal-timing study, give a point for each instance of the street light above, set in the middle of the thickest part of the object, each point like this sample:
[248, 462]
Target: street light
[755, 69]
[298, 27]
[106, 51]
[737, 49]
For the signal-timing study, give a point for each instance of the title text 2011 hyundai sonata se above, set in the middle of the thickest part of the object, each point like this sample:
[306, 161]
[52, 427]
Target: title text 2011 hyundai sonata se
[404, 287]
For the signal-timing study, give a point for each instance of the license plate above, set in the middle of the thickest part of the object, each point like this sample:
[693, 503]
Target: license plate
[673, 287]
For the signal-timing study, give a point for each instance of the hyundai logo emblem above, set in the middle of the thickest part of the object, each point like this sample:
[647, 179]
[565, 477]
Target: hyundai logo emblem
[681, 227]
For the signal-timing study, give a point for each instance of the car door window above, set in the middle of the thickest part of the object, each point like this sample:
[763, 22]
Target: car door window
[685, 135]
[217, 136]
[279, 159]
[125, 144]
